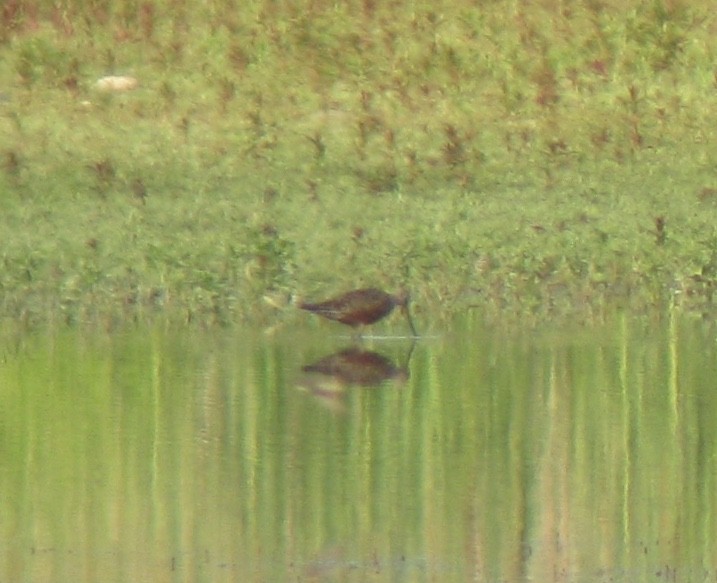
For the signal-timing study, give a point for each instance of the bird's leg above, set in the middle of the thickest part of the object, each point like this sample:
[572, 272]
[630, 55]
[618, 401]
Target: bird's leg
[358, 334]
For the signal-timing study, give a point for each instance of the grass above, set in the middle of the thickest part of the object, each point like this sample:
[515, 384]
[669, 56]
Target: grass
[528, 159]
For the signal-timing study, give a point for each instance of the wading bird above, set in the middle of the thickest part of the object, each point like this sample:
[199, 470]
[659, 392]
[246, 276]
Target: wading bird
[361, 307]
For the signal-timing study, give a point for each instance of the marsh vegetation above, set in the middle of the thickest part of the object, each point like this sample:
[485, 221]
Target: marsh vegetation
[535, 159]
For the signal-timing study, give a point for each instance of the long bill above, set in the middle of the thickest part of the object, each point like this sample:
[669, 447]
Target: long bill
[410, 321]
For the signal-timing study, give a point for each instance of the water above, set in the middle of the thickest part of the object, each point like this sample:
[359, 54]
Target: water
[476, 454]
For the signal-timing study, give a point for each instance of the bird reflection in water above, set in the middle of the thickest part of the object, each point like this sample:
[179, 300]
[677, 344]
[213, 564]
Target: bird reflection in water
[328, 378]
[358, 367]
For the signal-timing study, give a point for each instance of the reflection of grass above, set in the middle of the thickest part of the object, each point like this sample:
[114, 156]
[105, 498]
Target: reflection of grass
[593, 449]
[515, 156]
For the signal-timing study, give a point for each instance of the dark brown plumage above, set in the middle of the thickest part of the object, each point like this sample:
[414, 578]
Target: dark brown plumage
[361, 307]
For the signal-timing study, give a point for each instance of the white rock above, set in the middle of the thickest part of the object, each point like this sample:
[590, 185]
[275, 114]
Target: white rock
[116, 83]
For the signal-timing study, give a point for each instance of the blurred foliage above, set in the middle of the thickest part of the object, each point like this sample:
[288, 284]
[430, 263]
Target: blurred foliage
[536, 158]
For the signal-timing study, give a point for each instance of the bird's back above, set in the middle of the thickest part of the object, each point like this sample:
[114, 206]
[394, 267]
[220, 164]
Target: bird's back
[362, 306]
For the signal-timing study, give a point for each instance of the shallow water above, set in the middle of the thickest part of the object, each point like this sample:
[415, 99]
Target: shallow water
[474, 454]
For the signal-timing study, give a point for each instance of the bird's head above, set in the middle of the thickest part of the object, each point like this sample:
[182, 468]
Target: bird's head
[402, 298]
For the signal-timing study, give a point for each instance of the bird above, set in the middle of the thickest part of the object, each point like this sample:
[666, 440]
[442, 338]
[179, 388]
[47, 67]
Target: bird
[361, 307]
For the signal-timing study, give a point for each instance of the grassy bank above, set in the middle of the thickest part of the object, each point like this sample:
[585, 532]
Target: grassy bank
[532, 159]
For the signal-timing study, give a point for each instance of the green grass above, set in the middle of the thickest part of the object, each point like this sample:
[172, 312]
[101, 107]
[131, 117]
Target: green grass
[532, 160]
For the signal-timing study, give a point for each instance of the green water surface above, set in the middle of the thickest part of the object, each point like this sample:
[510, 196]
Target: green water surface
[177, 454]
